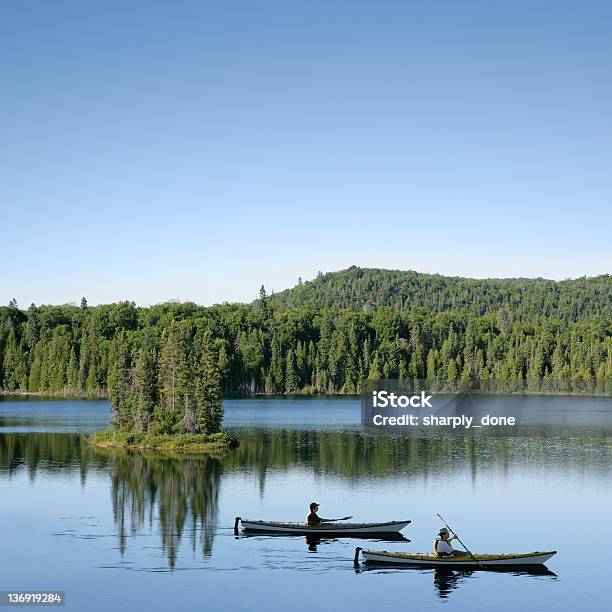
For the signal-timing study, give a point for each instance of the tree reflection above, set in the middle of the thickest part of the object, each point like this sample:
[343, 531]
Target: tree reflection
[179, 495]
[355, 455]
[183, 492]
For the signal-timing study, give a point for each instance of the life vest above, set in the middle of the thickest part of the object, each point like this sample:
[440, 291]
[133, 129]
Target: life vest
[435, 547]
[437, 552]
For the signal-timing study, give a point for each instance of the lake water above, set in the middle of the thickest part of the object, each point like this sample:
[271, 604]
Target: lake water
[133, 531]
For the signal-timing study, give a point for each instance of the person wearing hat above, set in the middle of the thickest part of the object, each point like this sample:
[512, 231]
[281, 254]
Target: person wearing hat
[442, 546]
[313, 519]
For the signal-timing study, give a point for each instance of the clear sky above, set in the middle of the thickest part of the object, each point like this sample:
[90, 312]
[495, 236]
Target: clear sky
[195, 150]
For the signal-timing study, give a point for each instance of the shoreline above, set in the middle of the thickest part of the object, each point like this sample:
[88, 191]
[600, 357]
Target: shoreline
[56, 394]
[176, 443]
[104, 396]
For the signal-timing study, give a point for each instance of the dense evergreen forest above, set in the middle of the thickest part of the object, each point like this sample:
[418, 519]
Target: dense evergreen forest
[324, 336]
[524, 299]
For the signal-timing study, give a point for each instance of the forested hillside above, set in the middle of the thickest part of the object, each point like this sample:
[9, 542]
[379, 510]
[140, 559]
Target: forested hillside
[523, 298]
[324, 336]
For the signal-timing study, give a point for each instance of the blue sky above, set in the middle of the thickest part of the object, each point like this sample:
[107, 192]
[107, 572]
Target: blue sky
[194, 150]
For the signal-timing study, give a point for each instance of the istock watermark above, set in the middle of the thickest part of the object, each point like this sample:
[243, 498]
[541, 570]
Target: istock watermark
[385, 399]
[408, 406]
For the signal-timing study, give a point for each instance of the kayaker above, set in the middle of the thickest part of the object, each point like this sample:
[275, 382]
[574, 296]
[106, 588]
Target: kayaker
[313, 519]
[442, 546]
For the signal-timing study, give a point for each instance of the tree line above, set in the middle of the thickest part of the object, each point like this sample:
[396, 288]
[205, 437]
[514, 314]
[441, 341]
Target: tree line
[166, 366]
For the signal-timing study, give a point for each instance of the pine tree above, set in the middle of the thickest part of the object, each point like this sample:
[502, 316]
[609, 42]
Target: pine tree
[451, 371]
[11, 361]
[145, 384]
[263, 303]
[374, 373]
[72, 373]
[91, 382]
[417, 367]
[186, 377]
[223, 363]
[292, 383]
[169, 364]
[208, 396]
[120, 384]
[432, 365]
[276, 367]
[34, 377]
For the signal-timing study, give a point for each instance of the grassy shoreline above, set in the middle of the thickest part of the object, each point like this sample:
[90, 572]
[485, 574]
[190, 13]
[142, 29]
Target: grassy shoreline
[177, 443]
[104, 396]
[57, 394]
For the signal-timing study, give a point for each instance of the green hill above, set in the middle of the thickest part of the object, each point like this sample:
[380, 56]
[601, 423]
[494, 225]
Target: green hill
[370, 288]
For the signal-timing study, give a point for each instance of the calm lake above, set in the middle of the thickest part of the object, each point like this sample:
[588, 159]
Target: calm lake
[130, 531]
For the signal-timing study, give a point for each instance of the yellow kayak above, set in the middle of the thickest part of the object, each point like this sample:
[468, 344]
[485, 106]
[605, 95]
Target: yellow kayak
[477, 560]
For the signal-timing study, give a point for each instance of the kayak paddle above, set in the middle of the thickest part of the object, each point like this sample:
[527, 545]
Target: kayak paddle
[458, 540]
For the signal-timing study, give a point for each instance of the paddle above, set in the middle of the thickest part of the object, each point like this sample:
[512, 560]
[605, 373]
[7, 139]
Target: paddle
[335, 520]
[458, 540]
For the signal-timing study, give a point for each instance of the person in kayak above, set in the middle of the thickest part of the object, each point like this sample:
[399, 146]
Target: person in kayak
[313, 519]
[442, 546]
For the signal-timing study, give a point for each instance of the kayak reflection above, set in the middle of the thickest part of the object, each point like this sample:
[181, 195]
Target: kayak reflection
[313, 540]
[447, 580]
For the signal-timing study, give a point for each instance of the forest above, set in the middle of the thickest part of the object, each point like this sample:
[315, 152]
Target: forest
[170, 362]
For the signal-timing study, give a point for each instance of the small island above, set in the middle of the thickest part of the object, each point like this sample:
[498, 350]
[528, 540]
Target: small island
[165, 392]
[178, 443]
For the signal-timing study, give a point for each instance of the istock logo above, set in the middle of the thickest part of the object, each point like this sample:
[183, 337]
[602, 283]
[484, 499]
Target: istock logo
[386, 399]
[399, 406]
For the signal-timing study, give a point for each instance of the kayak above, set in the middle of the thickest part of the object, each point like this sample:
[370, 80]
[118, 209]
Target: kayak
[325, 528]
[430, 560]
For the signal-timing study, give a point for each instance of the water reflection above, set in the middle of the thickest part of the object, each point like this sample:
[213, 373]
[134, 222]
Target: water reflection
[446, 581]
[349, 454]
[312, 541]
[53, 453]
[355, 455]
[181, 492]
[178, 497]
